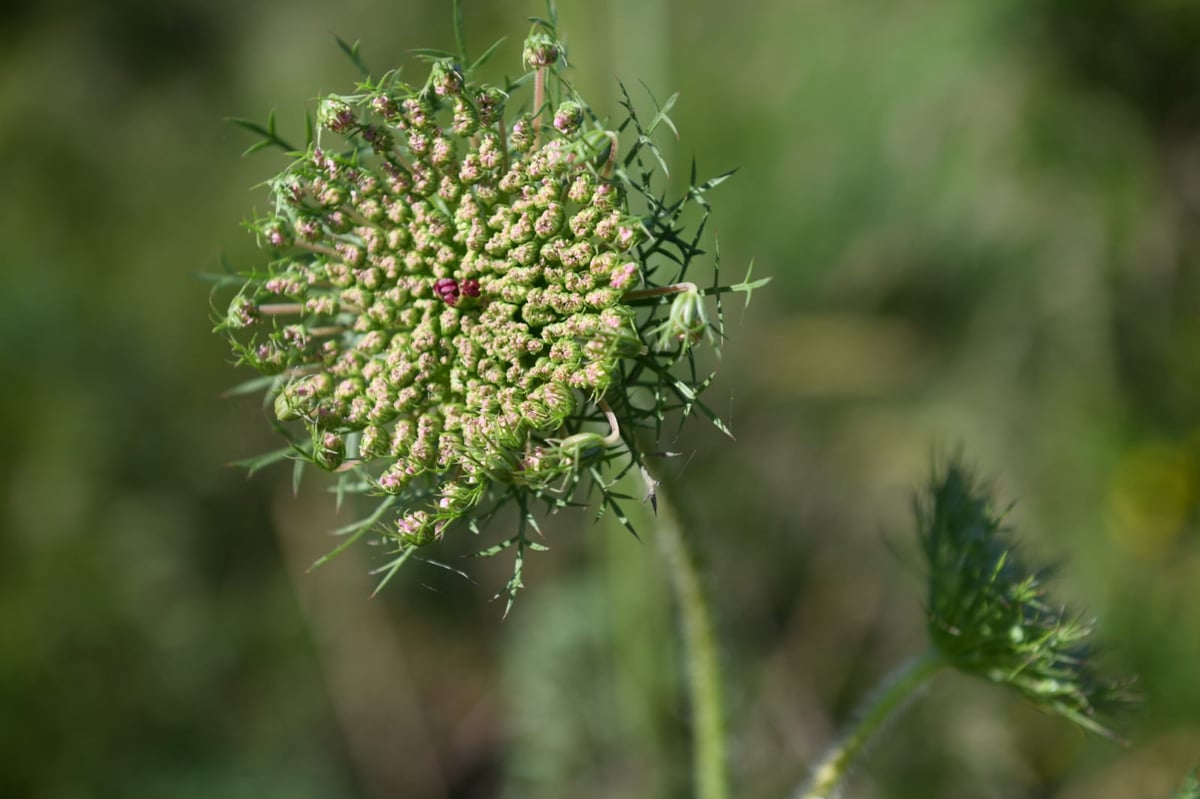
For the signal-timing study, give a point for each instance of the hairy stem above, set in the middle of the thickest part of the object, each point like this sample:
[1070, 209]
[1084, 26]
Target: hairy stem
[709, 766]
[895, 692]
[503, 141]
[658, 291]
[329, 330]
[319, 249]
[539, 99]
[281, 308]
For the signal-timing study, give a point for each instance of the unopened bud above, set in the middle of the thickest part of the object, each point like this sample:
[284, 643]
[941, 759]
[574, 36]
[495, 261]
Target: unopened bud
[686, 322]
[445, 78]
[415, 528]
[541, 50]
[568, 118]
[242, 312]
[489, 101]
[335, 115]
[522, 135]
[330, 451]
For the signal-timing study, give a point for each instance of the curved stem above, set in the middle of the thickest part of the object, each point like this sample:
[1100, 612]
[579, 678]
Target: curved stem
[709, 767]
[899, 687]
[611, 161]
[614, 428]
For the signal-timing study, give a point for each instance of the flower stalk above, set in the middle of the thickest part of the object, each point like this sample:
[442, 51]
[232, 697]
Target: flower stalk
[659, 291]
[698, 637]
[988, 617]
[897, 690]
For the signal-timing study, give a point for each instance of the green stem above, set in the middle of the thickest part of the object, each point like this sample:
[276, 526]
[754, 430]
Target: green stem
[658, 291]
[899, 687]
[709, 767]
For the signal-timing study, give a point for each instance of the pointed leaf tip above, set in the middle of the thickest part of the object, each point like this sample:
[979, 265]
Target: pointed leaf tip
[352, 52]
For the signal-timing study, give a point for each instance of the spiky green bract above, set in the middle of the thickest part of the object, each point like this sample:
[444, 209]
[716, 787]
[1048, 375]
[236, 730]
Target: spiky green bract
[467, 286]
[1188, 789]
[988, 614]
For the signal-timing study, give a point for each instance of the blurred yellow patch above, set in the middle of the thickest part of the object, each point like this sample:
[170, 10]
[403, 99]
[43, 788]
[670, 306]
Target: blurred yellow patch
[1150, 498]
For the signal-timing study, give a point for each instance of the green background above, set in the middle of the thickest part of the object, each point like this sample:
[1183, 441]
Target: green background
[981, 221]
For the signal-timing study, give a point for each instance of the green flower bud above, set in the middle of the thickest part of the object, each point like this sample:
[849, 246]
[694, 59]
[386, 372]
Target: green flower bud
[521, 136]
[490, 102]
[330, 451]
[568, 118]
[541, 50]
[243, 312]
[687, 321]
[416, 528]
[335, 115]
[445, 78]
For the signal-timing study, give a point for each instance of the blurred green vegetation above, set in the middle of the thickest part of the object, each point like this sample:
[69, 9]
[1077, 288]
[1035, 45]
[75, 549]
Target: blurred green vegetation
[981, 219]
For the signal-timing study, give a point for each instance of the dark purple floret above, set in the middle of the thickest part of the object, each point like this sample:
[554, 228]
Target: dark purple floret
[447, 288]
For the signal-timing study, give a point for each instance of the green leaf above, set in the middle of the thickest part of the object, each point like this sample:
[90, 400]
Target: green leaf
[711, 182]
[460, 32]
[339, 491]
[608, 499]
[340, 548]
[746, 286]
[661, 116]
[218, 280]
[354, 531]
[657, 153]
[431, 54]
[512, 84]
[351, 51]
[375, 516]
[391, 567]
[297, 474]
[257, 462]
[268, 134]
[252, 386]
[496, 549]
[486, 55]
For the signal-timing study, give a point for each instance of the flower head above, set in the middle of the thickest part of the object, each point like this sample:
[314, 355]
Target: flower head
[988, 614]
[458, 303]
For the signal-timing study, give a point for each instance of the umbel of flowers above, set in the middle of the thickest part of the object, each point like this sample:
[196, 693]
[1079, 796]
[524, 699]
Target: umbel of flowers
[462, 291]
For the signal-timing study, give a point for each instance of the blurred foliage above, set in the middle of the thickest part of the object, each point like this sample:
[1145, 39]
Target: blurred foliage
[981, 220]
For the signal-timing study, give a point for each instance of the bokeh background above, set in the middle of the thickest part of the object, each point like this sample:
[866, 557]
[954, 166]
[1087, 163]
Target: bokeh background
[981, 221]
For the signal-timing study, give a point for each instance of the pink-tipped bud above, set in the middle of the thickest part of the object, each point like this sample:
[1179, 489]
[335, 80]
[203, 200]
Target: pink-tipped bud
[541, 50]
[335, 115]
[568, 117]
[277, 236]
